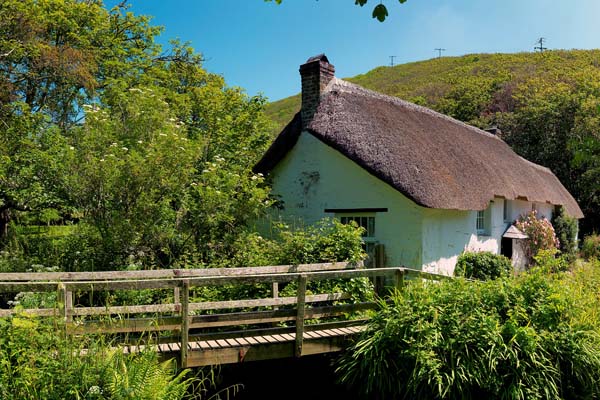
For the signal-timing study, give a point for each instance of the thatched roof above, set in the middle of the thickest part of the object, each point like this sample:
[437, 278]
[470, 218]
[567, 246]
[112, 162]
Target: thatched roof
[433, 159]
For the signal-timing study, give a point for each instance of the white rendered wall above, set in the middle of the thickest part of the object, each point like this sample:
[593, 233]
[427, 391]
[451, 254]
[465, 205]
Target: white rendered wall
[313, 177]
[447, 233]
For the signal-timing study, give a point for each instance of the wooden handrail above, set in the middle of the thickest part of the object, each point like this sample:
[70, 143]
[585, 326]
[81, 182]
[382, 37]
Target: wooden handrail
[165, 283]
[171, 273]
[181, 313]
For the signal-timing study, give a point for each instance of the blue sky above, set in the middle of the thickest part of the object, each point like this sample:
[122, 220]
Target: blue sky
[259, 45]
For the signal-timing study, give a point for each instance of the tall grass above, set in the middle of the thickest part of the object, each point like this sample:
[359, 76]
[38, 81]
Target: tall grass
[532, 337]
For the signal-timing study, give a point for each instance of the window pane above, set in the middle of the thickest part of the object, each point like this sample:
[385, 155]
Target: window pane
[368, 223]
[480, 220]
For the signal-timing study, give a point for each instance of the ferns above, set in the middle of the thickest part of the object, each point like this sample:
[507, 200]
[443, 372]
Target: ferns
[143, 377]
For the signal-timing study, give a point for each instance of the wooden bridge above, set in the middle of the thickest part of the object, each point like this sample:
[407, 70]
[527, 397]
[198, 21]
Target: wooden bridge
[200, 333]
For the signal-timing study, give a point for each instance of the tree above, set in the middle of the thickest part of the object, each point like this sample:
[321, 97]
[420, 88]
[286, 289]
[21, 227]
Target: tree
[151, 151]
[55, 56]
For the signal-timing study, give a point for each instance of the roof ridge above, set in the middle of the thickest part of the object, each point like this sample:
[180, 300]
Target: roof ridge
[538, 166]
[343, 84]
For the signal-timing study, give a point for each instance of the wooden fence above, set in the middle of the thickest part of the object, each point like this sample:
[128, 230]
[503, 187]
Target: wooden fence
[207, 320]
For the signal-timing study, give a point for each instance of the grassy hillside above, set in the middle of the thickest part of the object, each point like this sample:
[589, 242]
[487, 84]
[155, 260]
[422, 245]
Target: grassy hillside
[546, 104]
[464, 87]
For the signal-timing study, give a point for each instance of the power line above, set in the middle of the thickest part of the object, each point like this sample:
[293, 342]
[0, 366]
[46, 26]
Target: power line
[541, 47]
[392, 60]
[439, 50]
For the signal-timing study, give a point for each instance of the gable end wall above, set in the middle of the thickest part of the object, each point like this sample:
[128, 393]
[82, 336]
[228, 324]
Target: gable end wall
[313, 177]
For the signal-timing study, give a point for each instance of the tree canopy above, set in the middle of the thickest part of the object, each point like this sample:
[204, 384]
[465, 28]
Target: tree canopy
[139, 144]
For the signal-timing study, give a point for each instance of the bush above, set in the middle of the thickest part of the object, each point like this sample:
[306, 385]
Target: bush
[591, 247]
[482, 265]
[540, 232]
[565, 228]
[551, 261]
[536, 336]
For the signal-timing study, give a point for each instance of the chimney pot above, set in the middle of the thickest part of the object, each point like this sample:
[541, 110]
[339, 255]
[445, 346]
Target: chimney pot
[316, 73]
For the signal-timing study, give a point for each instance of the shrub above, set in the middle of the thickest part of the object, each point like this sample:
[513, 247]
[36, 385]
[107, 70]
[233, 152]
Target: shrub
[590, 248]
[37, 361]
[565, 228]
[551, 261]
[536, 336]
[540, 232]
[482, 265]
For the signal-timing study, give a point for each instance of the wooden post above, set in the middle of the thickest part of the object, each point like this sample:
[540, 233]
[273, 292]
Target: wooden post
[185, 321]
[177, 298]
[275, 291]
[399, 279]
[68, 306]
[300, 315]
[65, 301]
[379, 263]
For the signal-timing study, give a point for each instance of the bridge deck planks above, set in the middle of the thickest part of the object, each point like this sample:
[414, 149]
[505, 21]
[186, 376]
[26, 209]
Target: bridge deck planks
[258, 347]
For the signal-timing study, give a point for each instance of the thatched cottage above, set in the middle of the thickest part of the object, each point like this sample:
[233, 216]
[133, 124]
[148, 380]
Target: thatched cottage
[425, 185]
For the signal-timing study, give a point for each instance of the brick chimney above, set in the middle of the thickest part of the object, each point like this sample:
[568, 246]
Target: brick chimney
[316, 73]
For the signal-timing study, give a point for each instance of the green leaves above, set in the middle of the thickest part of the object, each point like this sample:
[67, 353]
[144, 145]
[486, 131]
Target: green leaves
[534, 336]
[380, 12]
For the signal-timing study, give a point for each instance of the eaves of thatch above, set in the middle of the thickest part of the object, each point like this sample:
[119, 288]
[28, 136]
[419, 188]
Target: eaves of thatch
[433, 159]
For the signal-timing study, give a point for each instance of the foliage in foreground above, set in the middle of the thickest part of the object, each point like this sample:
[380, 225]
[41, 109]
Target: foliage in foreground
[482, 265]
[37, 362]
[536, 336]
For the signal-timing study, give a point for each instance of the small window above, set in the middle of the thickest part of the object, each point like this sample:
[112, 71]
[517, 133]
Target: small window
[533, 207]
[505, 211]
[480, 221]
[364, 222]
[368, 223]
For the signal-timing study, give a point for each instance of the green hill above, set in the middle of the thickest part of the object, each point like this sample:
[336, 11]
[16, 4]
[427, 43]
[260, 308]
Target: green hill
[547, 106]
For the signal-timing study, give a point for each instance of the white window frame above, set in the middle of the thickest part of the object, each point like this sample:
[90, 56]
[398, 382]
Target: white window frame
[369, 236]
[480, 222]
[365, 220]
[506, 211]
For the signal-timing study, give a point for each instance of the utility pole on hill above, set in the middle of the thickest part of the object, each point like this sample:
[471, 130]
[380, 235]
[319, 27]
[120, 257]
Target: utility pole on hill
[392, 60]
[541, 47]
[439, 50]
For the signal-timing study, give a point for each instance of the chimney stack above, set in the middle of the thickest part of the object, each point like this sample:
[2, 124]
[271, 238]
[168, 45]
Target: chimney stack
[316, 73]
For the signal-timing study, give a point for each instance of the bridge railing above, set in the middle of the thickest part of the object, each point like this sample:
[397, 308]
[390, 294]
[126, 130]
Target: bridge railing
[207, 318]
